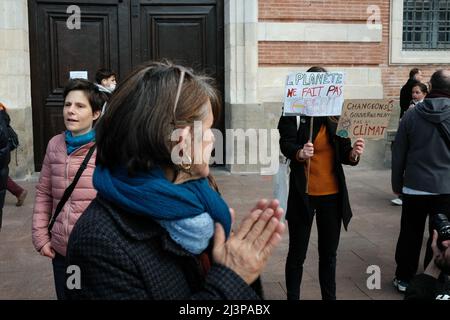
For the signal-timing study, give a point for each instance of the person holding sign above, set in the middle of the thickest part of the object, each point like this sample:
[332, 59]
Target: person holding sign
[326, 195]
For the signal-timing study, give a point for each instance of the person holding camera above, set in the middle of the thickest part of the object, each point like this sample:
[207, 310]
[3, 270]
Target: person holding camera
[421, 174]
[434, 283]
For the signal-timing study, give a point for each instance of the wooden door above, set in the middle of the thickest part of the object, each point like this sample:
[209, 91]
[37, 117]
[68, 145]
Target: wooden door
[115, 34]
[57, 50]
[190, 33]
[185, 33]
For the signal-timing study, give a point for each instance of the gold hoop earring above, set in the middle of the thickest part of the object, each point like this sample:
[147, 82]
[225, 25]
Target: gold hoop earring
[187, 166]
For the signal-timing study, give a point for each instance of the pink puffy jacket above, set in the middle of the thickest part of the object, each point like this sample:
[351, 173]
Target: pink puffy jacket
[58, 171]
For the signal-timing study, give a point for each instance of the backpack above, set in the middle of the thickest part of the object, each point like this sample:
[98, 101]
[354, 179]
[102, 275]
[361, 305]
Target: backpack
[13, 138]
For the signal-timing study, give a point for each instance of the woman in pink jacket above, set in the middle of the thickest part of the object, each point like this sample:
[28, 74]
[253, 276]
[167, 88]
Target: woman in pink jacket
[65, 153]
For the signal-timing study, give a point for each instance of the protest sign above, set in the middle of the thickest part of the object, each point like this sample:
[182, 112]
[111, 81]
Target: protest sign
[314, 94]
[367, 119]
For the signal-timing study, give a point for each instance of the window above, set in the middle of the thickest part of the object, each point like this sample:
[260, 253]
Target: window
[426, 25]
[419, 32]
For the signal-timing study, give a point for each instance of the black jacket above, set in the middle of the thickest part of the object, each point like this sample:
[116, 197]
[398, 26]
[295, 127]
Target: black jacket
[425, 287]
[4, 139]
[406, 95]
[292, 140]
[123, 255]
[4, 159]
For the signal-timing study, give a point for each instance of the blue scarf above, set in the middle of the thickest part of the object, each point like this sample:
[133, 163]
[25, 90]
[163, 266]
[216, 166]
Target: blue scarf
[73, 143]
[151, 194]
[193, 233]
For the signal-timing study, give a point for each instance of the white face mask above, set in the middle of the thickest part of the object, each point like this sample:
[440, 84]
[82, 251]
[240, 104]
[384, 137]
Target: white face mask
[112, 87]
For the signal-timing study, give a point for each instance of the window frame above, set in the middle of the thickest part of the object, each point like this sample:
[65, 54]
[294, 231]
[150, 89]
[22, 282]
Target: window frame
[400, 56]
[428, 24]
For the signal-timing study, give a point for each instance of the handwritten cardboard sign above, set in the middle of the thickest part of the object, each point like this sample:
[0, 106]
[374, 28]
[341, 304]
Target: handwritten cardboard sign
[314, 94]
[367, 119]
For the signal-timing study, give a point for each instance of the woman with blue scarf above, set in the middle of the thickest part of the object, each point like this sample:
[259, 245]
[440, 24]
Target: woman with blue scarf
[157, 229]
[65, 153]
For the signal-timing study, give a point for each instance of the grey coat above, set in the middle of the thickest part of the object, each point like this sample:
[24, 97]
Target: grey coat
[125, 256]
[421, 157]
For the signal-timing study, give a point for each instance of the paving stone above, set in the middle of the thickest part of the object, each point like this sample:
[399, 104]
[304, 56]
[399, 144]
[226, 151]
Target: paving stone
[370, 240]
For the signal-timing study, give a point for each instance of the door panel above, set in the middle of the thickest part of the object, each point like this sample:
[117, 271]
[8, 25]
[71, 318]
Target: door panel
[183, 34]
[190, 33]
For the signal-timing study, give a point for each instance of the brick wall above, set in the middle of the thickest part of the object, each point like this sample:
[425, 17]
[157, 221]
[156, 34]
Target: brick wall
[334, 53]
[337, 10]
[394, 77]
[323, 53]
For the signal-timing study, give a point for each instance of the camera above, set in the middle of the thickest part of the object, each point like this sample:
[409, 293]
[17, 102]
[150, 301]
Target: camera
[440, 223]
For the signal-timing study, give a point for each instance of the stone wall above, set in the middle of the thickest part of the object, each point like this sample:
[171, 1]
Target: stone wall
[15, 82]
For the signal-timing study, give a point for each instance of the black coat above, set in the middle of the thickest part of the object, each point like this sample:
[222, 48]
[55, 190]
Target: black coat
[4, 158]
[123, 255]
[292, 140]
[406, 96]
[4, 139]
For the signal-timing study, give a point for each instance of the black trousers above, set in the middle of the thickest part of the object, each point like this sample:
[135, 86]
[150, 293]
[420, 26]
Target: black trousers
[415, 211]
[3, 179]
[59, 275]
[328, 222]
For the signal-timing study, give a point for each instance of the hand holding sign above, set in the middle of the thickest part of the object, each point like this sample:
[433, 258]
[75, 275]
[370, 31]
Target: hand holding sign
[358, 149]
[307, 152]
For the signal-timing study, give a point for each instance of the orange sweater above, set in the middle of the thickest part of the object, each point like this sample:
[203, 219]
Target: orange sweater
[322, 179]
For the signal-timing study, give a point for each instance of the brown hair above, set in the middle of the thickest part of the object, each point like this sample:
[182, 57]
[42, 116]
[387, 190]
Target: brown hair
[104, 74]
[317, 69]
[135, 130]
[422, 86]
[95, 97]
[413, 72]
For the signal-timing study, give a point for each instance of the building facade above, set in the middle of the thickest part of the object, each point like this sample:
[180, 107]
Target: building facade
[248, 45]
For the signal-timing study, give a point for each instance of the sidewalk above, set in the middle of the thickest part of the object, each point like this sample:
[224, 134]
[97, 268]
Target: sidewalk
[370, 240]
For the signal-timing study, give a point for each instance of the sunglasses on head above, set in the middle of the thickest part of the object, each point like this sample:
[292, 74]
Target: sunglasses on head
[183, 72]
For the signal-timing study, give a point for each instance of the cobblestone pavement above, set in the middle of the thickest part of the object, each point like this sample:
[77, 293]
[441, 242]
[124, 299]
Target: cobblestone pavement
[370, 240]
